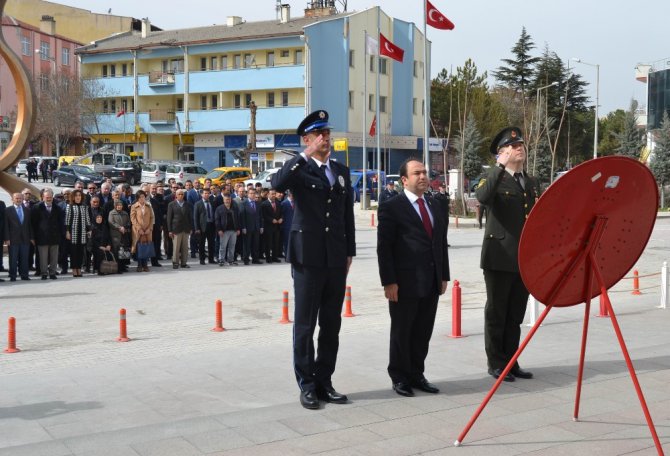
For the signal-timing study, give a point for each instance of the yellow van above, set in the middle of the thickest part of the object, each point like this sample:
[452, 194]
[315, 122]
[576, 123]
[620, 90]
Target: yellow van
[221, 175]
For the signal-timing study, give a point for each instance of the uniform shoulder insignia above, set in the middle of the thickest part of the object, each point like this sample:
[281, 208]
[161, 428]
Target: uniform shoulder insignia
[481, 183]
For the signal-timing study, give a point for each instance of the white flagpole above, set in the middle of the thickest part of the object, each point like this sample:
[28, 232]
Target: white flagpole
[378, 120]
[425, 89]
[364, 204]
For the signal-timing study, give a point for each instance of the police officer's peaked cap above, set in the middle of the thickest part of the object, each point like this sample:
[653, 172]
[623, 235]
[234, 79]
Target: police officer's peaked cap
[315, 121]
[507, 136]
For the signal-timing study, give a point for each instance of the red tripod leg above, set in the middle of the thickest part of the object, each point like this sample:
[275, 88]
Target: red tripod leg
[582, 354]
[500, 379]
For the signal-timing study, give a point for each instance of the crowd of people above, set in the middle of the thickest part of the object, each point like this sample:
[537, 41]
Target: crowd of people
[76, 230]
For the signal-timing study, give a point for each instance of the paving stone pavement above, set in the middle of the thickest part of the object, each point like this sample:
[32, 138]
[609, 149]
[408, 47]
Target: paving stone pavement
[178, 388]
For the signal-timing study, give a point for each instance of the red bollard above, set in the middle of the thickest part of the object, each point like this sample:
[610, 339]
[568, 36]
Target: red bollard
[11, 337]
[603, 308]
[219, 317]
[372, 219]
[636, 283]
[123, 336]
[347, 304]
[284, 309]
[456, 311]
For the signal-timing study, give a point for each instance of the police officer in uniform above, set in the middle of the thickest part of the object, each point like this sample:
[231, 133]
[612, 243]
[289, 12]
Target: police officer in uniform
[320, 249]
[509, 194]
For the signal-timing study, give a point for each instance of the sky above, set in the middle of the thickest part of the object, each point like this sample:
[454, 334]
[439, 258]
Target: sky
[615, 34]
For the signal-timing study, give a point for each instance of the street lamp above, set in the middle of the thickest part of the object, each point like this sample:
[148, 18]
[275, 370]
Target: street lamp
[47, 57]
[537, 104]
[595, 134]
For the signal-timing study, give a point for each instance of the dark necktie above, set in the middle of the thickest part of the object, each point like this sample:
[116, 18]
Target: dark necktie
[209, 212]
[425, 218]
[519, 179]
[323, 171]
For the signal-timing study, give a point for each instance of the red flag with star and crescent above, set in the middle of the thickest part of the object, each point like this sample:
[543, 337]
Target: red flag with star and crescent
[389, 49]
[436, 19]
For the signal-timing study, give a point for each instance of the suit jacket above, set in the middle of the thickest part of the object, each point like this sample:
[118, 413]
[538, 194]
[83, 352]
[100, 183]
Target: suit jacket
[508, 207]
[250, 219]
[221, 216]
[322, 231]
[47, 226]
[200, 215]
[406, 254]
[287, 215]
[15, 231]
[270, 214]
[179, 219]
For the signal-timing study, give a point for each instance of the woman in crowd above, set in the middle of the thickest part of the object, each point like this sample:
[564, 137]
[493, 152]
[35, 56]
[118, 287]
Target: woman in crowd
[142, 221]
[119, 231]
[100, 242]
[77, 230]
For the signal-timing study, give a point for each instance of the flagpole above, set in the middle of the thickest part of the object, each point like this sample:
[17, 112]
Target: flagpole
[364, 202]
[425, 88]
[378, 119]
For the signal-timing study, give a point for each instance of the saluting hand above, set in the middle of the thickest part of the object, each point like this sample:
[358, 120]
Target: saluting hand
[314, 147]
[504, 156]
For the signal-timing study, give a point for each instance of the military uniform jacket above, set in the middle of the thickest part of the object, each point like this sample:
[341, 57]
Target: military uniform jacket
[508, 207]
[322, 231]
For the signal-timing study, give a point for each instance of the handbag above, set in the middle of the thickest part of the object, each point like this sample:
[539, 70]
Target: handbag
[123, 253]
[108, 266]
[145, 250]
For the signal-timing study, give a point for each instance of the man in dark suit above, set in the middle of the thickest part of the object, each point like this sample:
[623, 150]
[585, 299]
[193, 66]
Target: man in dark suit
[46, 218]
[18, 237]
[180, 223]
[509, 195]
[156, 201]
[287, 208]
[388, 193]
[320, 248]
[251, 224]
[414, 270]
[203, 224]
[272, 222]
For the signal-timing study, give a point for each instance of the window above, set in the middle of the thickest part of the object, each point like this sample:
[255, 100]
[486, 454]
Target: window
[112, 71]
[25, 45]
[249, 60]
[124, 69]
[414, 106]
[44, 81]
[124, 105]
[104, 71]
[298, 57]
[416, 70]
[212, 63]
[247, 100]
[371, 102]
[271, 59]
[284, 53]
[284, 98]
[351, 58]
[203, 102]
[45, 50]
[132, 105]
[164, 66]
[271, 100]
[238, 101]
[224, 62]
[112, 106]
[65, 56]
[105, 106]
[372, 64]
[176, 66]
[215, 102]
[237, 61]
[382, 65]
[203, 64]
[382, 104]
[351, 99]
[423, 107]
[180, 104]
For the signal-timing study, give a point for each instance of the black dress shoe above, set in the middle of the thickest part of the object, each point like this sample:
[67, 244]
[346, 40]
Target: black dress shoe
[175, 266]
[330, 395]
[44, 277]
[256, 262]
[202, 262]
[520, 373]
[185, 266]
[403, 389]
[309, 400]
[425, 386]
[53, 276]
[25, 278]
[12, 279]
[157, 265]
[246, 263]
[495, 373]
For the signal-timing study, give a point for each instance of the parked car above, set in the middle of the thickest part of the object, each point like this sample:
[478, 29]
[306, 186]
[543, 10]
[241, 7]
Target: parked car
[130, 172]
[69, 174]
[371, 183]
[182, 172]
[220, 175]
[154, 171]
[21, 168]
[264, 177]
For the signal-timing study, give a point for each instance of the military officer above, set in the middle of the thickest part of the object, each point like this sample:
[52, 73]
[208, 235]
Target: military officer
[509, 194]
[320, 249]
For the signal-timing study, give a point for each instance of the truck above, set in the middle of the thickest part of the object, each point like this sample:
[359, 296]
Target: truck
[101, 159]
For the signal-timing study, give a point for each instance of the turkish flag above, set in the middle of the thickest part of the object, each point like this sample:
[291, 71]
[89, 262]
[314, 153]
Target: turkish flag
[436, 19]
[120, 113]
[389, 49]
[373, 127]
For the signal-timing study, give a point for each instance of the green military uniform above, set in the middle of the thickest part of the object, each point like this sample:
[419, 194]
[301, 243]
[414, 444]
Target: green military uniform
[508, 205]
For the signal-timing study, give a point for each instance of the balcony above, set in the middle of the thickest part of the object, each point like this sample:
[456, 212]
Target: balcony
[161, 116]
[161, 79]
[237, 120]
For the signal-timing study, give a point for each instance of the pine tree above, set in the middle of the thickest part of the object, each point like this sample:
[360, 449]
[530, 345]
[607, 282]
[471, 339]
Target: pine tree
[519, 71]
[472, 159]
[631, 139]
[660, 162]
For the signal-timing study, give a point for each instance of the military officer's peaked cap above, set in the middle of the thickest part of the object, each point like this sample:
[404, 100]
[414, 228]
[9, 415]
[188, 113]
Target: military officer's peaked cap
[315, 121]
[507, 136]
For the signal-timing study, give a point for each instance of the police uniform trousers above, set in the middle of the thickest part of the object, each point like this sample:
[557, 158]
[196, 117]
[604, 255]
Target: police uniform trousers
[319, 293]
[506, 302]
